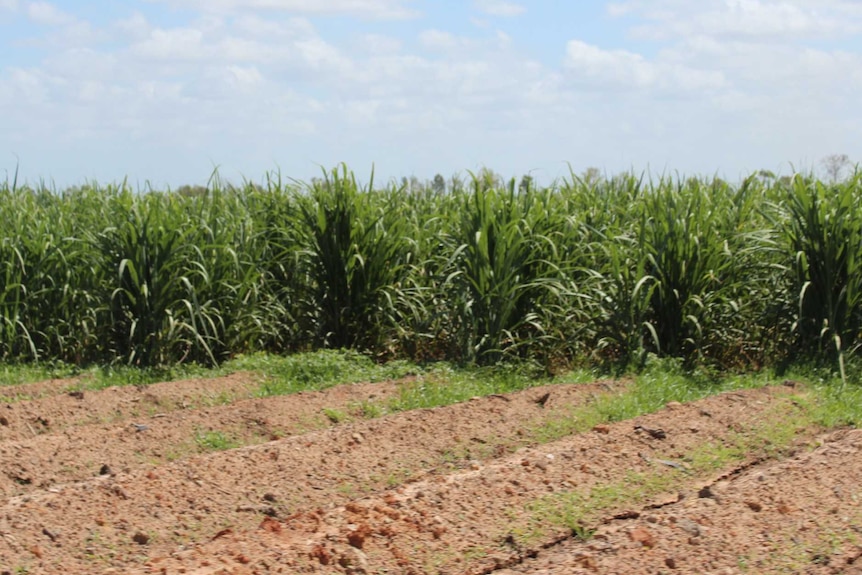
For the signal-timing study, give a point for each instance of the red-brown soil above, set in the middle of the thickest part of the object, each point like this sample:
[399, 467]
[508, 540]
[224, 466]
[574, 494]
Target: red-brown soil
[801, 515]
[52, 406]
[458, 489]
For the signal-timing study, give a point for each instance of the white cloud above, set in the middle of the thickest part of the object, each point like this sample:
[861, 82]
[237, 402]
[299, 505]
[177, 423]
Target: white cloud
[321, 55]
[249, 40]
[135, 27]
[380, 45]
[48, 14]
[617, 67]
[9, 5]
[766, 20]
[499, 7]
[375, 9]
[244, 77]
[619, 9]
[259, 27]
[438, 40]
[176, 44]
[84, 64]
[758, 51]
[243, 82]
[453, 45]
[29, 84]
[620, 69]
[779, 67]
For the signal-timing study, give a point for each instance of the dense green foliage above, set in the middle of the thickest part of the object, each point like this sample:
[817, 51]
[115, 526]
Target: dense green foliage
[606, 270]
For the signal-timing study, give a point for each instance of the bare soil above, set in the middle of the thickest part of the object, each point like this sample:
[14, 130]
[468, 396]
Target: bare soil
[200, 477]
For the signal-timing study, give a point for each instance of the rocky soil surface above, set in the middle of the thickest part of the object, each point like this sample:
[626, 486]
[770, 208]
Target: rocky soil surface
[202, 477]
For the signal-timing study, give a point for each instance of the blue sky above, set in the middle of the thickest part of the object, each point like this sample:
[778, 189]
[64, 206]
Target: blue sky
[164, 91]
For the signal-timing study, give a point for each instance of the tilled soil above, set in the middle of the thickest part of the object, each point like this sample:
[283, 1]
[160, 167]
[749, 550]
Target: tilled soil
[52, 406]
[151, 427]
[800, 515]
[114, 485]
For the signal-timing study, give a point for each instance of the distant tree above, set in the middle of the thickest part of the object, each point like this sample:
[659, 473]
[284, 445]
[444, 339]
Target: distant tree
[191, 191]
[416, 185]
[592, 175]
[438, 184]
[456, 183]
[526, 183]
[835, 165]
[766, 175]
[489, 178]
[413, 184]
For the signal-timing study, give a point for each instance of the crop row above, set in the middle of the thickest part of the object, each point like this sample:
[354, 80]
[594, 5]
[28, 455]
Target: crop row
[609, 269]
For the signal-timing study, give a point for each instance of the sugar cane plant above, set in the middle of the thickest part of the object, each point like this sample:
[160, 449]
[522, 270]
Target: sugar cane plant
[502, 246]
[587, 269]
[354, 250]
[823, 231]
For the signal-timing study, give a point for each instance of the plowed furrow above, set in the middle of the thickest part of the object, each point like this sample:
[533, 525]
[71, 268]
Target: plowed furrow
[81, 452]
[121, 519]
[494, 514]
[65, 407]
[37, 389]
[800, 515]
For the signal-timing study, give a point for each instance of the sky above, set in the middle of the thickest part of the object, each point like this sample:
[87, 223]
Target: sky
[166, 91]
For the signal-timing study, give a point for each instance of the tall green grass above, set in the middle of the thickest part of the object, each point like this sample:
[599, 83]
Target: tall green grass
[353, 251]
[607, 269]
[688, 248]
[823, 235]
[504, 267]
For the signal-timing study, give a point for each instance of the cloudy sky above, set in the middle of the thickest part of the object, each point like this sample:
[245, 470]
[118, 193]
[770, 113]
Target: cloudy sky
[166, 90]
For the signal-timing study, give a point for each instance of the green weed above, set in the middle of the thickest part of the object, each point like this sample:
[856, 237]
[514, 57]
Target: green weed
[335, 415]
[214, 441]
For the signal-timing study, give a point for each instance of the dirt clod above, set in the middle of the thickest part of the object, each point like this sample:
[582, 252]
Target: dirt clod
[654, 433]
[689, 527]
[643, 536]
[321, 554]
[543, 399]
[141, 538]
[755, 506]
[357, 537]
[271, 525]
[120, 492]
[587, 561]
[353, 560]
[222, 533]
[49, 534]
[706, 492]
